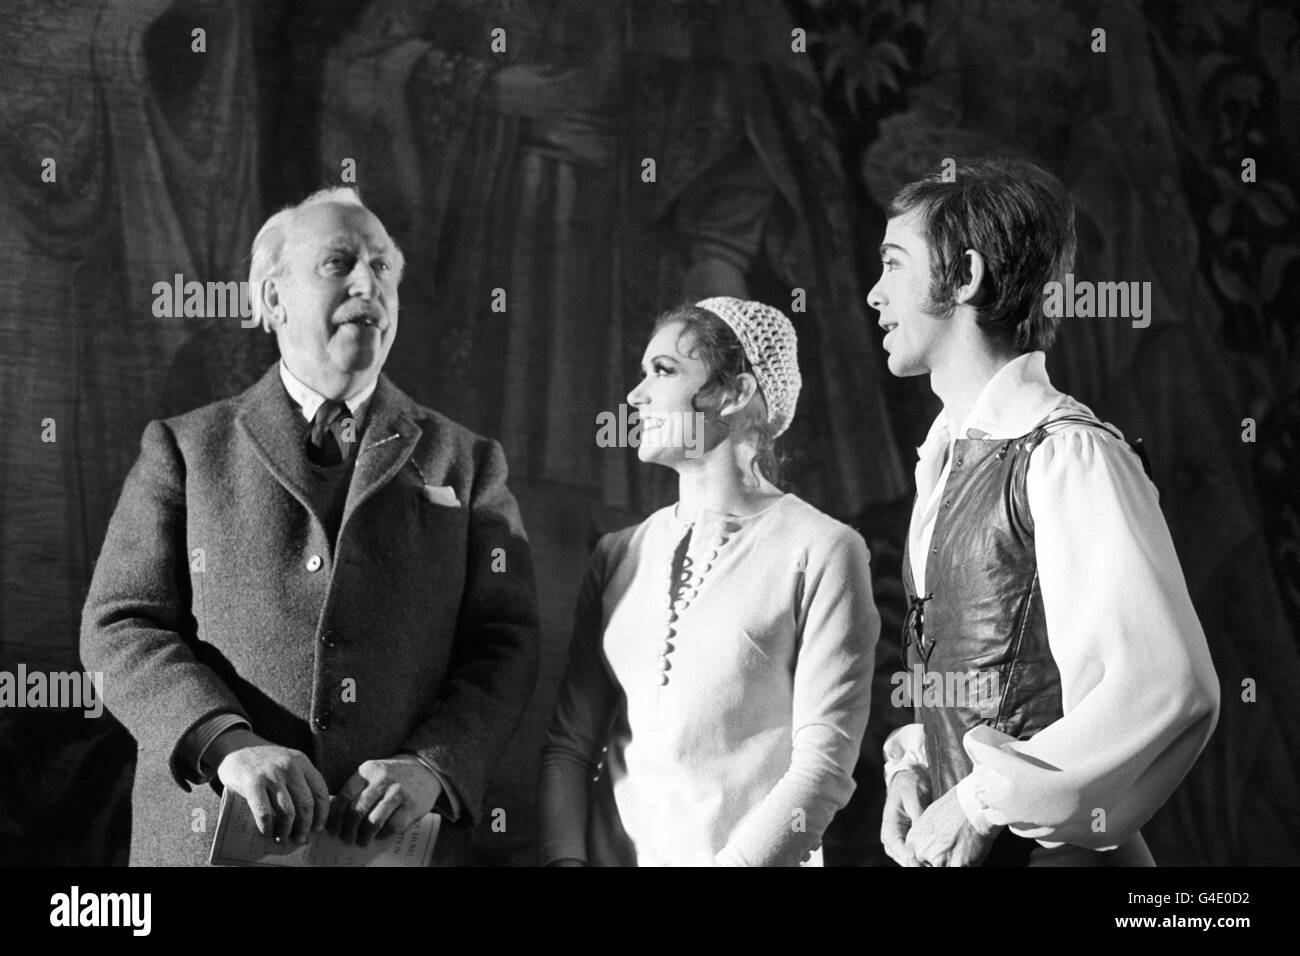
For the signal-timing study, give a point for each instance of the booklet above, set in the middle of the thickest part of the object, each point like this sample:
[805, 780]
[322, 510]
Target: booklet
[239, 843]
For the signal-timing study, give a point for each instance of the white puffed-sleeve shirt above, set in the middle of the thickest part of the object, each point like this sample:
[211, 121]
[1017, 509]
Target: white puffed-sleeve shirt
[1138, 690]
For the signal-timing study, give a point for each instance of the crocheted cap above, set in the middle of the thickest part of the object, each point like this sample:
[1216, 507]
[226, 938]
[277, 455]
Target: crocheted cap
[770, 344]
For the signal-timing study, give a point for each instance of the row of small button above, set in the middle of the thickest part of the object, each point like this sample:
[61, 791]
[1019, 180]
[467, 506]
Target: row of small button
[688, 583]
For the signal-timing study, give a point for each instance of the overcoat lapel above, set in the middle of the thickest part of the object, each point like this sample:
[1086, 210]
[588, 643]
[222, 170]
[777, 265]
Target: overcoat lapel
[387, 442]
[278, 435]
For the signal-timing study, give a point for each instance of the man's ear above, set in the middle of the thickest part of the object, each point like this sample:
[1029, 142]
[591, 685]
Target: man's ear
[971, 291]
[269, 297]
[746, 386]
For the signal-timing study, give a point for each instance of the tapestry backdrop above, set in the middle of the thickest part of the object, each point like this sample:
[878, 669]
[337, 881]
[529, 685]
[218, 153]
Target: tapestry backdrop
[144, 141]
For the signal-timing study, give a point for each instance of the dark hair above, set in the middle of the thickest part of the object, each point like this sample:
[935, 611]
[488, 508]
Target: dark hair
[716, 345]
[1020, 219]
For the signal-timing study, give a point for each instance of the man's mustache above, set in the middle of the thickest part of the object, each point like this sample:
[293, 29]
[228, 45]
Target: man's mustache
[360, 312]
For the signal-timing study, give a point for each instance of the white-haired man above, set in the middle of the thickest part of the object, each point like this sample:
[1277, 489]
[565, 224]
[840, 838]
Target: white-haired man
[317, 594]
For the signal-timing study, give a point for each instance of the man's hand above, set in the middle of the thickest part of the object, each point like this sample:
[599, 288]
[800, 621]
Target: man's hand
[909, 792]
[382, 797]
[944, 837]
[285, 792]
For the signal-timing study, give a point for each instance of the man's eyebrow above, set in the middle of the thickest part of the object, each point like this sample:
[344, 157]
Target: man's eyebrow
[381, 245]
[342, 242]
[891, 245]
[332, 243]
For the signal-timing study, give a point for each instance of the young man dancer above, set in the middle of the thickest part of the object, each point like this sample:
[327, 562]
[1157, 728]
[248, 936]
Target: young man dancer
[1067, 683]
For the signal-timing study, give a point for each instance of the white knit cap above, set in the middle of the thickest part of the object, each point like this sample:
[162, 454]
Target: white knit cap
[770, 344]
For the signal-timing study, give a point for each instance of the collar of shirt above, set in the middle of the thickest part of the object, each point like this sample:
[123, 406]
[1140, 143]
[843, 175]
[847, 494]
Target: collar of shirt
[309, 400]
[1012, 402]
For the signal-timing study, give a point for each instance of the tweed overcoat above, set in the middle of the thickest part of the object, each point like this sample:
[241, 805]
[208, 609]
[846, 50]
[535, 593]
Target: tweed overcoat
[217, 590]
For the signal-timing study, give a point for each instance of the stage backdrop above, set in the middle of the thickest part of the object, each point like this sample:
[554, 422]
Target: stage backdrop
[136, 150]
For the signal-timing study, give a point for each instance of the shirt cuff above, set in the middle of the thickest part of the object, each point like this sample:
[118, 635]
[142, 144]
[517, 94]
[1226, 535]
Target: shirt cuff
[448, 804]
[972, 807]
[193, 747]
[905, 750]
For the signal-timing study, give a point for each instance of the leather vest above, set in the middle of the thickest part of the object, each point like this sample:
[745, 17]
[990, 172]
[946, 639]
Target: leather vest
[979, 634]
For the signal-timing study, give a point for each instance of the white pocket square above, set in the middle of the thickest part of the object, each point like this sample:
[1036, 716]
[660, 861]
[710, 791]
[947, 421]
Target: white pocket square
[444, 495]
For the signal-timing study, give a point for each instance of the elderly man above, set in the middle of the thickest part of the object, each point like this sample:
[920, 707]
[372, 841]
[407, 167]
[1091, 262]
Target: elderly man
[317, 593]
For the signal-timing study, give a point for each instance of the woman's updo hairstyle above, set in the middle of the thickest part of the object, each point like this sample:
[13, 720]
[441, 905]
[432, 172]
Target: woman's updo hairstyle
[714, 343]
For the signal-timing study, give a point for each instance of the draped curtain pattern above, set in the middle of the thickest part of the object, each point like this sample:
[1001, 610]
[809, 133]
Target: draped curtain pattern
[521, 171]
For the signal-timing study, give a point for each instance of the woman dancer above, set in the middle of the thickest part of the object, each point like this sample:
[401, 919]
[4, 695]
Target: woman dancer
[720, 670]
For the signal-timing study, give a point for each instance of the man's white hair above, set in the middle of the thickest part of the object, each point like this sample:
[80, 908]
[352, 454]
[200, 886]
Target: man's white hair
[268, 244]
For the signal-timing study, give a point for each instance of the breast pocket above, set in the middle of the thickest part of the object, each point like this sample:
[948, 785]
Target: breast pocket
[442, 525]
[442, 496]
[426, 527]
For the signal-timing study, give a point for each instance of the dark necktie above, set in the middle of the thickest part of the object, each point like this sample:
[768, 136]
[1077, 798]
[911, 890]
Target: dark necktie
[323, 447]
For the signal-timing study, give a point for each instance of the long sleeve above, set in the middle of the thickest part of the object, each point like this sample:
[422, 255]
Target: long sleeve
[138, 617]
[1139, 692]
[579, 730]
[832, 698]
[494, 665]
[192, 750]
[905, 750]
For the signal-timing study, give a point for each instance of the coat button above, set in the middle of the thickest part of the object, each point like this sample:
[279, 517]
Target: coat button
[328, 638]
[314, 563]
[322, 723]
